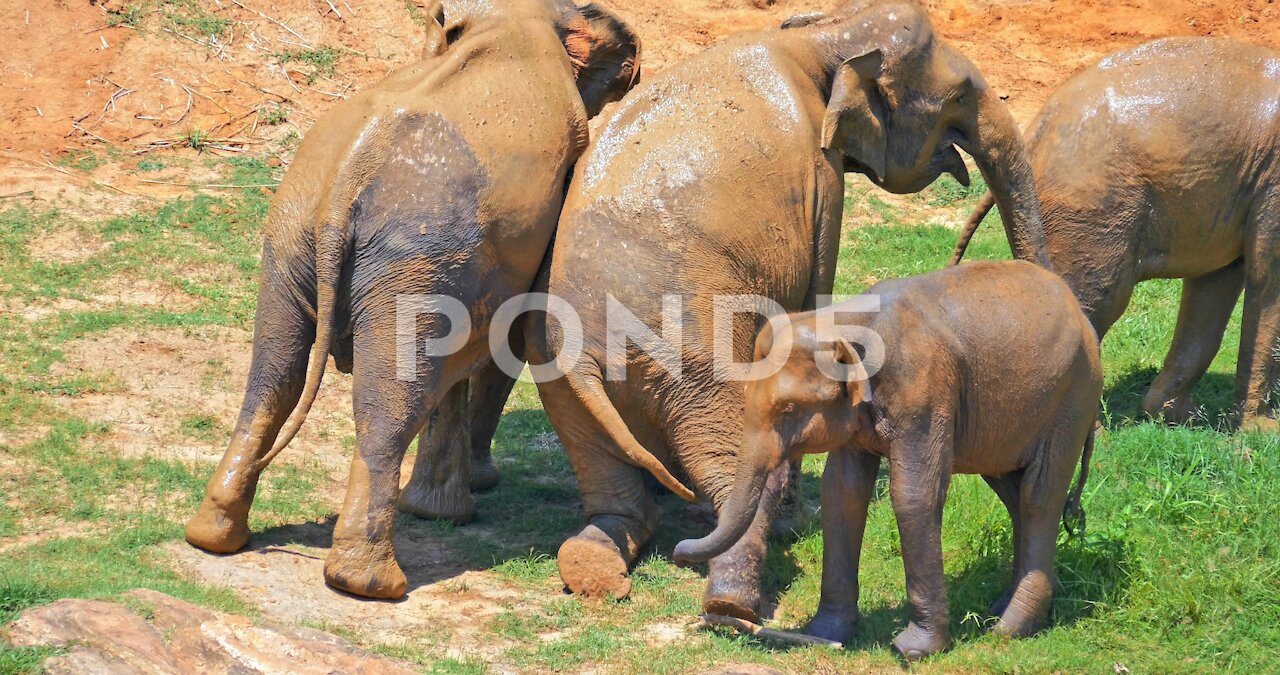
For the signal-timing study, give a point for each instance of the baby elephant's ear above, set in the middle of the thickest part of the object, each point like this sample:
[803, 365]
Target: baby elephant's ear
[605, 53]
[854, 121]
[437, 41]
[859, 383]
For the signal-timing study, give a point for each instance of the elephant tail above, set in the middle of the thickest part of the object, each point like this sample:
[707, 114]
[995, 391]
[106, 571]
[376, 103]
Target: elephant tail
[331, 250]
[590, 392]
[1073, 513]
[975, 219]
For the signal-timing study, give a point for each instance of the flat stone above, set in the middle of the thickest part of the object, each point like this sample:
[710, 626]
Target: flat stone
[178, 637]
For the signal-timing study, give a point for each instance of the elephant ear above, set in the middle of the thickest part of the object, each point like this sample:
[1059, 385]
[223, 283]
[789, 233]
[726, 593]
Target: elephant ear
[859, 384]
[604, 51]
[437, 39]
[854, 120]
[802, 20]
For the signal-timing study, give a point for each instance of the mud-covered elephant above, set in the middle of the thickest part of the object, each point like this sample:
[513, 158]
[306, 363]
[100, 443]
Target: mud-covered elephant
[445, 180]
[989, 368]
[724, 176]
[1164, 162]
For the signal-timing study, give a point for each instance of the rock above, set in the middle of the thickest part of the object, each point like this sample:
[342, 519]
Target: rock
[178, 637]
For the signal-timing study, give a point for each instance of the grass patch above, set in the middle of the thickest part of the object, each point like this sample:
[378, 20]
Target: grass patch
[321, 61]
[1178, 570]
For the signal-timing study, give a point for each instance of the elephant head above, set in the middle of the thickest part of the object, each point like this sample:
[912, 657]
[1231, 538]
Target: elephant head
[818, 399]
[603, 51]
[902, 101]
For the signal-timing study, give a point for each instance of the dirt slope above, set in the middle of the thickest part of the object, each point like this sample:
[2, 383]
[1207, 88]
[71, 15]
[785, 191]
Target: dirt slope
[240, 73]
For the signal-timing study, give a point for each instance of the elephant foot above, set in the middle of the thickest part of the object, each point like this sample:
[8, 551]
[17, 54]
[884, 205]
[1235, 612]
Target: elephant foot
[832, 626]
[1028, 610]
[591, 565]
[450, 501]
[218, 530]
[1175, 411]
[1259, 424]
[1001, 604]
[917, 642]
[365, 569]
[484, 476]
[732, 597]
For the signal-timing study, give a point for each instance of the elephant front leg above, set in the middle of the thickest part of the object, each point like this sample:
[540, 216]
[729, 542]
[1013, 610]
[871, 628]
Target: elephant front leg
[733, 580]
[439, 488]
[1207, 303]
[848, 483]
[918, 486]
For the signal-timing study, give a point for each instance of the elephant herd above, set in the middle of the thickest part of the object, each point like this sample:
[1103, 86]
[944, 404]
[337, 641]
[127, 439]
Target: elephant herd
[435, 220]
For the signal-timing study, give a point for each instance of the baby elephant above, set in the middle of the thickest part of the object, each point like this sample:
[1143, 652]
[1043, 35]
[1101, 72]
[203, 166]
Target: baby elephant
[988, 368]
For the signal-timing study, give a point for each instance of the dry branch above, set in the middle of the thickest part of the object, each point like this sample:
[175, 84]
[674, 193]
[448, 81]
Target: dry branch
[744, 626]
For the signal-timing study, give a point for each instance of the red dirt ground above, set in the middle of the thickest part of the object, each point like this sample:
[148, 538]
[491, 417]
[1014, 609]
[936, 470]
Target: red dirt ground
[69, 80]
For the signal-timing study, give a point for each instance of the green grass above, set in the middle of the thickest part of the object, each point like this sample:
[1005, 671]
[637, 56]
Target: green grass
[1178, 571]
[321, 61]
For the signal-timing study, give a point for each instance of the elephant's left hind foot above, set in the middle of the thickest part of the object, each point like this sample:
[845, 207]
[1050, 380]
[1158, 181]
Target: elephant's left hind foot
[450, 501]
[484, 475]
[366, 569]
[592, 565]
[1028, 608]
[917, 642]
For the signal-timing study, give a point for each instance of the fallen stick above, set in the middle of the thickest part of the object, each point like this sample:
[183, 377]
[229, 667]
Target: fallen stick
[209, 186]
[744, 626]
[27, 193]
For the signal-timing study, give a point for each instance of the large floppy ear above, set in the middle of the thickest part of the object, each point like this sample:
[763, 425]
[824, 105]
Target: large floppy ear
[802, 20]
[855, 118]
[437, 40]
[604, 51]
[859, 384]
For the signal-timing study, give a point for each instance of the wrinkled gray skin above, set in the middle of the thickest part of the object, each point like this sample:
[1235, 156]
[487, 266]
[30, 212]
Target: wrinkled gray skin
[724, 176]
[990, 368]
[1163, 162]
[446, 178]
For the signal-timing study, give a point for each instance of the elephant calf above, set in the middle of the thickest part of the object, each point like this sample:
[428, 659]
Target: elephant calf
[1163, 162]
[989, 368]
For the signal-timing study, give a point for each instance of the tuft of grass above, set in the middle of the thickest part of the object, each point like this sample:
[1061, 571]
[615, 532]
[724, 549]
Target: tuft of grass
[322, 61]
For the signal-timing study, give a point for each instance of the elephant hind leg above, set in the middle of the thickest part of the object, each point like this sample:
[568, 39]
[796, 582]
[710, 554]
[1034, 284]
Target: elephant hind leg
[490, 389]
[1009, 488]
[1207, 303]
[283, 337]
[1042, 495]
[439, 488]
[1258, 369]
[620, 509]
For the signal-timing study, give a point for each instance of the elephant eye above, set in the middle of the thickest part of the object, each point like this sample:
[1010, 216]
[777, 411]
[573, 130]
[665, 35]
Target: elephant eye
[787, 409]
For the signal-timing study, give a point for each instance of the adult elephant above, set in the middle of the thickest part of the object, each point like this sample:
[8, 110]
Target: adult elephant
[445, 179]
[1163, 162]
[723, 177]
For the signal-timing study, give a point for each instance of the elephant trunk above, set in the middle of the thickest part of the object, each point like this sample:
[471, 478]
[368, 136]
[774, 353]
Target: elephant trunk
[997, 148]
[736, 514]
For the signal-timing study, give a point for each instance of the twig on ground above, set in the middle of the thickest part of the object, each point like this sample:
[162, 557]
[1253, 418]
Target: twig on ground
[50, 166]
[275, 21]
[763, 633]
[333, 9]
[209, 186]
[25, 193]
